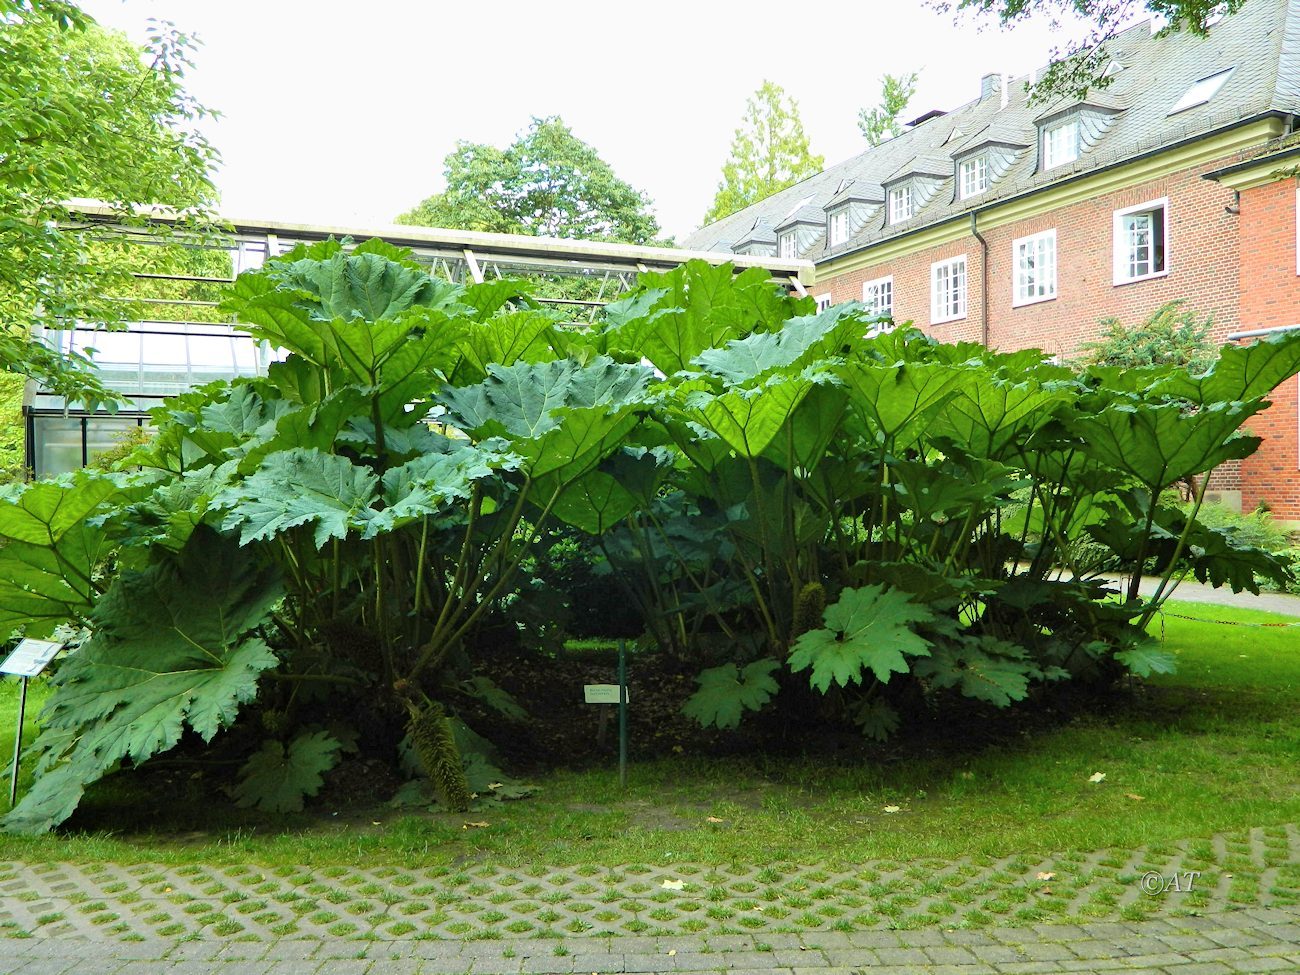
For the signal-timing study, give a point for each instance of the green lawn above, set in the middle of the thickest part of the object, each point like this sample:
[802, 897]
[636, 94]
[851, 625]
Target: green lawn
[1214, 748]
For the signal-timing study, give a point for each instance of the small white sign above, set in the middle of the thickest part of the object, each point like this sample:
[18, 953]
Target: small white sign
[29, 658]
[603, 693]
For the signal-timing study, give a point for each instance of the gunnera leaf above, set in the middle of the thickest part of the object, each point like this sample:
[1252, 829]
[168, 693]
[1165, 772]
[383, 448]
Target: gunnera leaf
[174, 646]
[985, 669]
[867, 628]
[726, 693]
[277, 779]
[298, 487]
[877, 719]
[1147, 658]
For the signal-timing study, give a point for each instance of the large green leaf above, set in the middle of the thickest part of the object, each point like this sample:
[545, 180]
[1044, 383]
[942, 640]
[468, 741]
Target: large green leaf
[1218, 557]
[275, 317]
[43, 586]
[527, 336]
[173, 647]
[172, 511]
[298, 487]
[815, 425]
[747, 419]
[986, 670]
[931, 491]
[276, 779]
[1161, 445]
[1147, 658]
[243, 413]
[526, 399]
[430, 483]
[595, 503]
[897, 401]
[726, 693]
[364, 284]
[986, 418]
[693, 308]
[42, 511]
[318, 425]
[1243, 372]
[561, 418]
[866, 628]
[801, 340]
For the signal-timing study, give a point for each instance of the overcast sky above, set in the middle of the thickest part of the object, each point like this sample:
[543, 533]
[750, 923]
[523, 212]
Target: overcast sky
[341, 113]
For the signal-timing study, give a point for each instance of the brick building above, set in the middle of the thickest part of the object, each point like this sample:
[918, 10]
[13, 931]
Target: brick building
[1024, 225]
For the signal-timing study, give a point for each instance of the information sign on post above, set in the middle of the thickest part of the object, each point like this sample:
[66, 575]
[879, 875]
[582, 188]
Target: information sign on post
[28, 659]
[613, 694]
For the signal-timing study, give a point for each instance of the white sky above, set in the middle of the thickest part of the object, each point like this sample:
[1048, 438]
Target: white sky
[341, 113]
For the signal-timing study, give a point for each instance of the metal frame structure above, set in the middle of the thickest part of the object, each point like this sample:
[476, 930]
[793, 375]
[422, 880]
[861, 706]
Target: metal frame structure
[146, 363]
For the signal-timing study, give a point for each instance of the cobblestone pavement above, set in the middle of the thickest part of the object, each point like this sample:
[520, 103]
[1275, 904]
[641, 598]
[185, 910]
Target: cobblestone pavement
[1222, 905]
[1259, 868]
[1251, 940]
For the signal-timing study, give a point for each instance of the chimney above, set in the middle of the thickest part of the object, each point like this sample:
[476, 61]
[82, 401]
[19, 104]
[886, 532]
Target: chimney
[1006, 88]
[990, 84]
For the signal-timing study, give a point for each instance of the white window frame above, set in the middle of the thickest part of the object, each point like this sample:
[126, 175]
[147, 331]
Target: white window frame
[837, 226]
[948, 290]
[973, 176]
[1125, 252]
[824, 301]
[898, 196]
[1033, 268]
[787, 245]
[1065, 152]
[873, 301]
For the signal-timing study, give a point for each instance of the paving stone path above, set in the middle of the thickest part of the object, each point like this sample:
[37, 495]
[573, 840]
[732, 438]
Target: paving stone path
[1227, 904]
[485, 902]
[1251, 940]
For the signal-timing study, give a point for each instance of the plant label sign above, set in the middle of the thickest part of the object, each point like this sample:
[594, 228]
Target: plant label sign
[29, 658]
[603, 694]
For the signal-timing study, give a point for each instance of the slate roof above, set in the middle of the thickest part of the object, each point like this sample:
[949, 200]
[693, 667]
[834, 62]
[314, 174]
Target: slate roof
[857, 190]
[1261, 41]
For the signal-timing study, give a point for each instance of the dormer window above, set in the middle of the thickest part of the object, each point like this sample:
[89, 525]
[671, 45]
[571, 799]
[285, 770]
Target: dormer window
[787, 246]
[1061, 143]
[900, 204]
[837, 226]
[973, 176]
[1201, 92]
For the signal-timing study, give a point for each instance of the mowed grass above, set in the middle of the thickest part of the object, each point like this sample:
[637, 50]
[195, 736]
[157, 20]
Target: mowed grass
[1213, 748]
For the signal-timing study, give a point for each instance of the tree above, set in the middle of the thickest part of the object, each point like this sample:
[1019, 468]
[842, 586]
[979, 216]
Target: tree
[82, 115]
[768, 153]
[881, 123]
[1172, 336]
[1078, 68]
[547, 183]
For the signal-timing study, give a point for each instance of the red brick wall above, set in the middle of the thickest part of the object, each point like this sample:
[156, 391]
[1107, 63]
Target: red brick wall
[1270, 296]
[1202, 264]
[1240, 269]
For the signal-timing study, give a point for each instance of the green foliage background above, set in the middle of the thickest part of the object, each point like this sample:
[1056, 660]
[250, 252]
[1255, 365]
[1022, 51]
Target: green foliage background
[769, 152]
[83, 113]
[547, 183]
